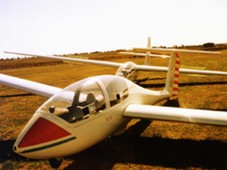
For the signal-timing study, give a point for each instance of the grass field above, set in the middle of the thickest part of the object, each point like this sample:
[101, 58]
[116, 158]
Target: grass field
[146, 144]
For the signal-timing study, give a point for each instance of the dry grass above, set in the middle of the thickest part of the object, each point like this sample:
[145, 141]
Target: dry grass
[145, 145]
[23, 62]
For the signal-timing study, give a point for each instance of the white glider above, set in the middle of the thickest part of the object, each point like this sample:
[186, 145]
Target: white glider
[88, 111]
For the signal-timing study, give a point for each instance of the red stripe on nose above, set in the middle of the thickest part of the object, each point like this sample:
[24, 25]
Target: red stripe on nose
[42, 131]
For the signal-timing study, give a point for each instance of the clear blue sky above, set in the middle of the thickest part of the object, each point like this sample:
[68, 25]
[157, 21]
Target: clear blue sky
[70, 26]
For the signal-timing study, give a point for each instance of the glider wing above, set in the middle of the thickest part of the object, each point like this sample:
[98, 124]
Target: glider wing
[176, 114]
[29, 86]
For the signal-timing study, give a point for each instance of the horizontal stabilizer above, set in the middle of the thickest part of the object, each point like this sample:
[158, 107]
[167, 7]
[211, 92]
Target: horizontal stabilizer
[168, 51]
[145, 54]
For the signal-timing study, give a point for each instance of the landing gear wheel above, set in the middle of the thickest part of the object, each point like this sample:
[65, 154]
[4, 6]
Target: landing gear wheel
[56, 162]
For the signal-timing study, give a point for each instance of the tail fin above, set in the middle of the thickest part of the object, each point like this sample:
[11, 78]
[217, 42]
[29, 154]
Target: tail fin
[172, 79]
[147, 58]
[149, 42]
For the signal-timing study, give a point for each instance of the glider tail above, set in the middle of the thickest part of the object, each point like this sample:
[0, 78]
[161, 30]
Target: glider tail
[172, 80]
[147, 57]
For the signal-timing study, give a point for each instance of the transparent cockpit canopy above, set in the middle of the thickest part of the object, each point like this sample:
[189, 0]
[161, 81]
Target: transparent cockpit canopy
[76, 101]
[86, 97]
[116, 88]
[125, 69]
[128, 66]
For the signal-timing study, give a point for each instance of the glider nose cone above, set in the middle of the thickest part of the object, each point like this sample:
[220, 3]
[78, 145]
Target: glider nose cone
[38, 136]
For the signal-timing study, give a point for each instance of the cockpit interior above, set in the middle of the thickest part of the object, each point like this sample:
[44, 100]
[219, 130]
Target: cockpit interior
[90, 96]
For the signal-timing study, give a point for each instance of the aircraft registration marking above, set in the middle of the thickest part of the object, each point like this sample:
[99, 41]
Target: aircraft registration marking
[109, 118]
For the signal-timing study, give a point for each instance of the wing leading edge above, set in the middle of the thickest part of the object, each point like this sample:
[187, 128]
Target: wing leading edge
[176, 114]
[29, 86]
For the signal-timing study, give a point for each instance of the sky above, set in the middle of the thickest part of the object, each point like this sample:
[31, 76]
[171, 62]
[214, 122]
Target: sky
[76, 26]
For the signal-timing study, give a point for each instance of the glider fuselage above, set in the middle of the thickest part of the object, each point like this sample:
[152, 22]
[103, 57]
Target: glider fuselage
[81, 115]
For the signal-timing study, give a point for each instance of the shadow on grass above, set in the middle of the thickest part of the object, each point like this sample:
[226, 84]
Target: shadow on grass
[131, 148]
[156, 85]
[17, 95]
[139, 81]
[6, 152]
